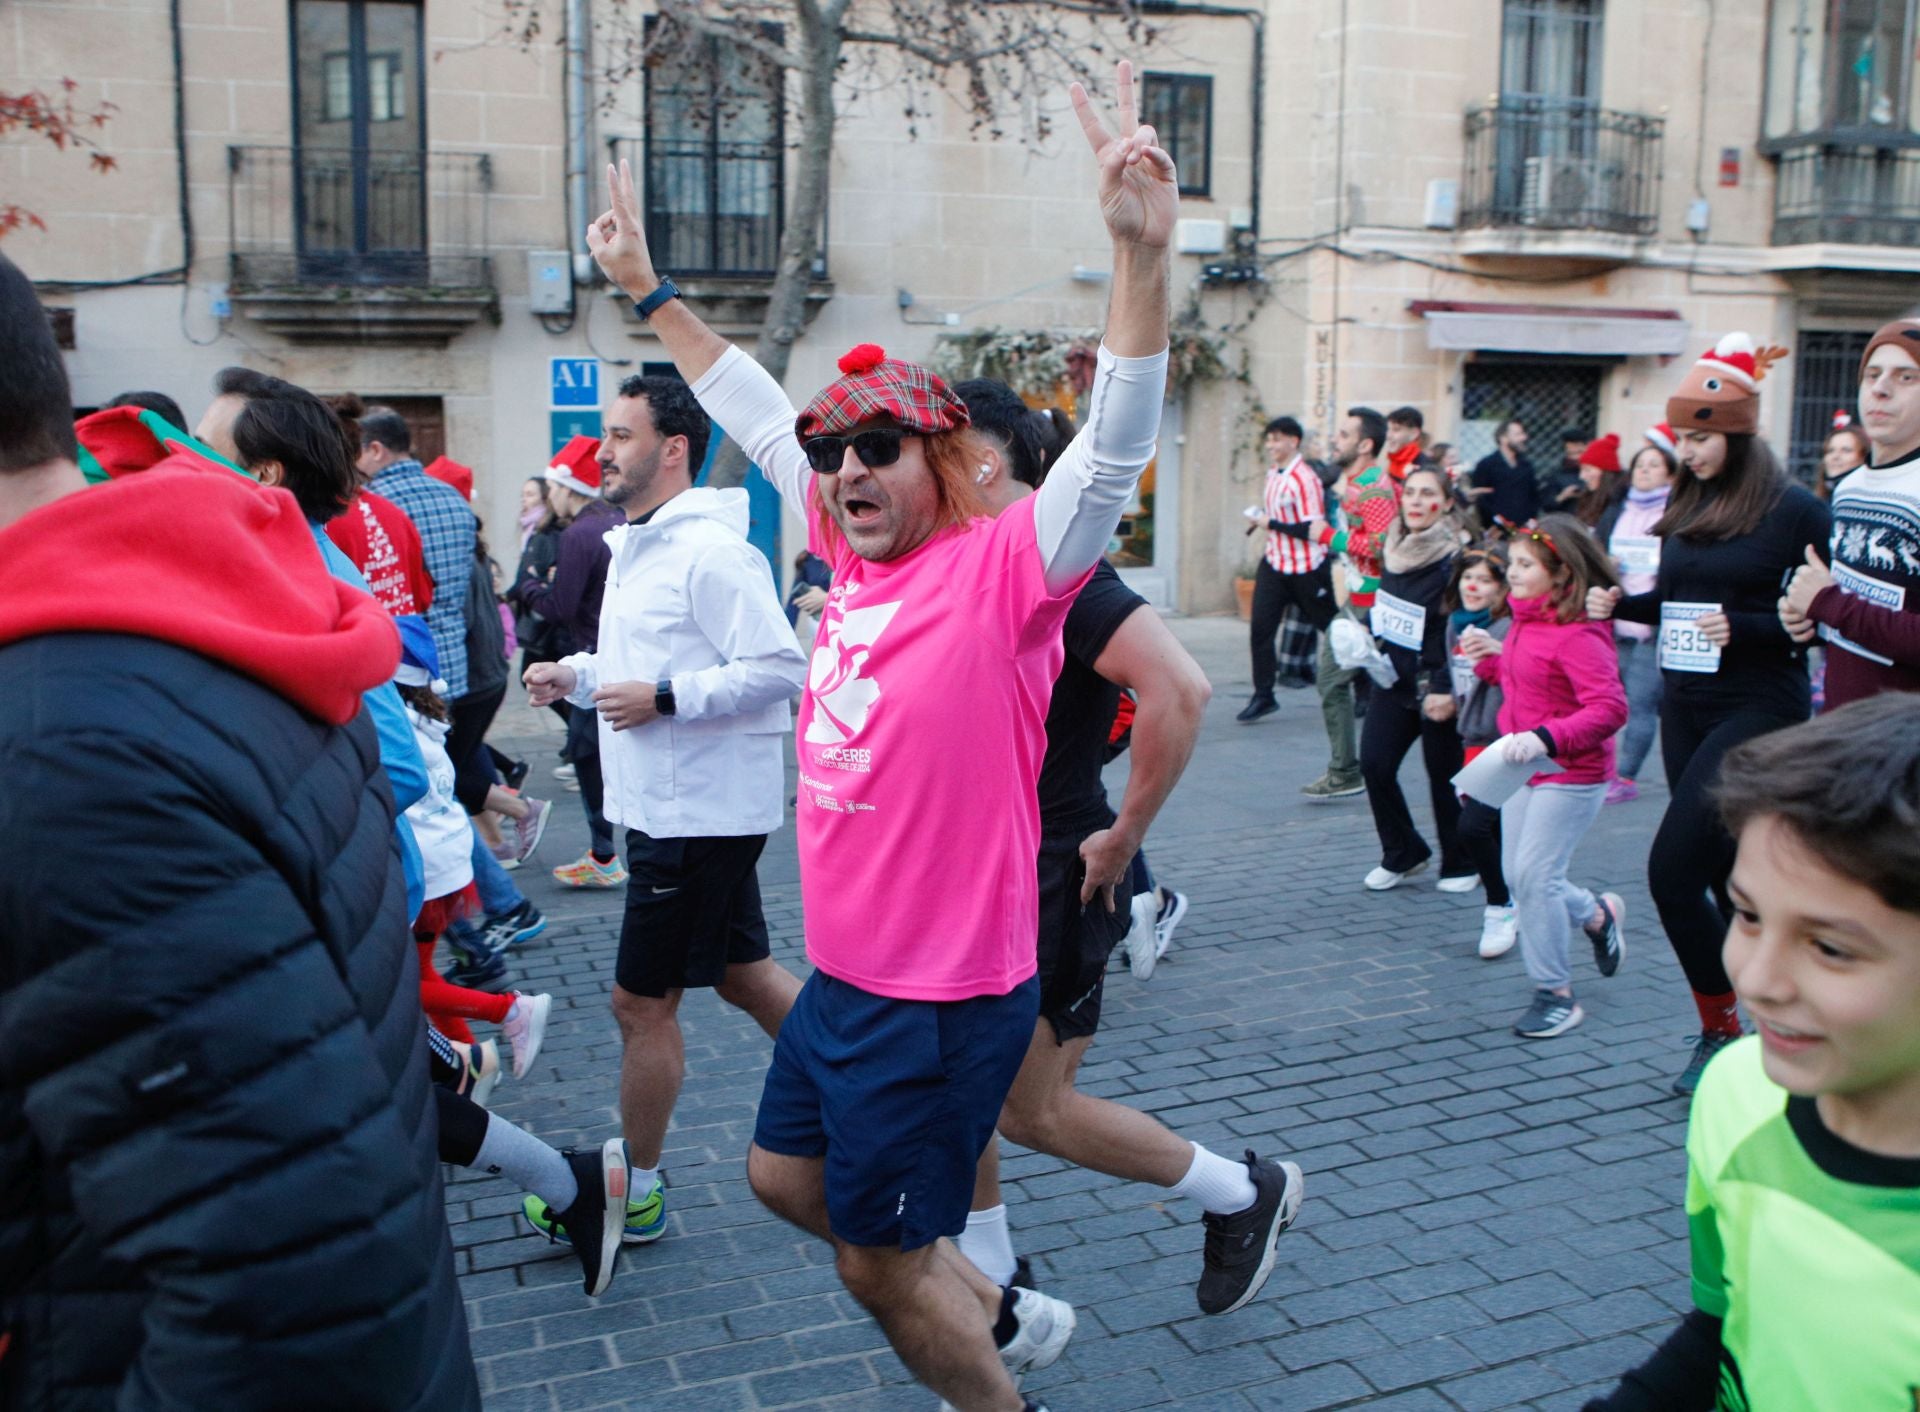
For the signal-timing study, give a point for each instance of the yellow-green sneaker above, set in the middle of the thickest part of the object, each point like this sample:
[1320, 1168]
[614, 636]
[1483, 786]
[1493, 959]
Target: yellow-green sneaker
[646, 1219]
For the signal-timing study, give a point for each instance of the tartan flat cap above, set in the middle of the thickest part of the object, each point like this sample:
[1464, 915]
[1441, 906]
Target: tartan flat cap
[873, 385]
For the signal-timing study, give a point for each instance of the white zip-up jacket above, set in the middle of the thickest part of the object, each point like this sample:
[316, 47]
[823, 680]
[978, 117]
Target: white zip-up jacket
[688, 599]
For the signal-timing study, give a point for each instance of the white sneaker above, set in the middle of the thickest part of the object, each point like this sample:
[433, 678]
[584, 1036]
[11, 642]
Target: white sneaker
[526, 1028]
[1465, 882]
[1380, 879]
[1498, 931]
[1171, 911]
[1142, 953]
[488, 1077]
[1045, 1324]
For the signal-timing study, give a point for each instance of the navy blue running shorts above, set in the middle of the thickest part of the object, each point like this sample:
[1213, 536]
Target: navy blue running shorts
[899, 1096]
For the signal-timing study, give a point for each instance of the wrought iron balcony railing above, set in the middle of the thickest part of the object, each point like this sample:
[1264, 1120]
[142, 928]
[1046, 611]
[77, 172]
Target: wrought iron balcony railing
[358, 217]
[712, 207]
[1546, 165]
[1846, 193]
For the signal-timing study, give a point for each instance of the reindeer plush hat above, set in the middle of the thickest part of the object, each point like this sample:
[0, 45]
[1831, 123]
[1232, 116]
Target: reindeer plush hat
[1721, 392]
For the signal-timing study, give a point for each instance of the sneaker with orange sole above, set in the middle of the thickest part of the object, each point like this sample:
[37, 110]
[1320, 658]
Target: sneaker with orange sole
[587, 871]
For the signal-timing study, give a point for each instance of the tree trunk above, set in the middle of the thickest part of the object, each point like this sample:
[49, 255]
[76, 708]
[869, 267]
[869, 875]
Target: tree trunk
[800, 238]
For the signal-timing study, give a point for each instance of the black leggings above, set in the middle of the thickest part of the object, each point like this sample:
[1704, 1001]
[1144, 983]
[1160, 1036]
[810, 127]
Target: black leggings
[1393, 724]
[1273, 593]
[1693, 852]
[466, 746]
[1480, 841]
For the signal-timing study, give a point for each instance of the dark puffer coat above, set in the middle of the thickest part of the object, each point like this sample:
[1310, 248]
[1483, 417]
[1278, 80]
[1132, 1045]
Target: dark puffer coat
[218, 1183]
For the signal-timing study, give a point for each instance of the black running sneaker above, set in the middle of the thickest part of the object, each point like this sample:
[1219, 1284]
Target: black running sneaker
[1022, 1274]
[1705, 1045]
[1610, 942]
[1239, 1251]
[593, 1224]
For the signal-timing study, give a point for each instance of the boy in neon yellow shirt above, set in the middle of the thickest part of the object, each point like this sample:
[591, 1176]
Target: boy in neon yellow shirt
[1803, 1157]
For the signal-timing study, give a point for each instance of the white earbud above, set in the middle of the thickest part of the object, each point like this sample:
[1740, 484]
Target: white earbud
[985, 471]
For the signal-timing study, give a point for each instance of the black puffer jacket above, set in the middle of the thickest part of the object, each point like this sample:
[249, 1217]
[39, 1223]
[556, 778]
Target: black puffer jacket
[218, 1154]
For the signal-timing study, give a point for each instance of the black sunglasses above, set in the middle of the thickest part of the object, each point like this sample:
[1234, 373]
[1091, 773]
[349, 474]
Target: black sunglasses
[874, 448]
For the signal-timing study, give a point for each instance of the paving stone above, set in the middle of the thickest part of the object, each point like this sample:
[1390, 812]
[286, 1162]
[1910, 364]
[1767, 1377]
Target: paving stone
[1455, 1174]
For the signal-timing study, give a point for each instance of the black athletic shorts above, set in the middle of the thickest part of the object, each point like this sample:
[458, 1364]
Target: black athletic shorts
[693, 909]
[1075, 941]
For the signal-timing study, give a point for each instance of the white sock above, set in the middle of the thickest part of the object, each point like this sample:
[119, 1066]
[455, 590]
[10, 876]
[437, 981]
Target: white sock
[640, 1181]
[987, 1242]
[533, 1165]
[1220, 1185]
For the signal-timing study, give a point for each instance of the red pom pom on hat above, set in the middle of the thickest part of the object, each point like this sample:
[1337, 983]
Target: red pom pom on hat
[862, 358]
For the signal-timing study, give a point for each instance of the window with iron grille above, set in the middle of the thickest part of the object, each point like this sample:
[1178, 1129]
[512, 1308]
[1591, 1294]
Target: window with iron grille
[1826, 379]
[714, 172]
[1179, 107]
[1546, 395]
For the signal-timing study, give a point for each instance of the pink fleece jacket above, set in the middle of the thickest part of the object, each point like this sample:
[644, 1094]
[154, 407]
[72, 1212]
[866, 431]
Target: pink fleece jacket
[1565, 678]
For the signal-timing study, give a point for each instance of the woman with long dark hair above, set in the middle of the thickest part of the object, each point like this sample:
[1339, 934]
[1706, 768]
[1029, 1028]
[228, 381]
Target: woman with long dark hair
[1734, 528]
[1627, 532]
[1410, 618]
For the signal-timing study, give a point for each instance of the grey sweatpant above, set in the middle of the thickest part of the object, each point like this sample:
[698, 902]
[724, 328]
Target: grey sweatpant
[1540, 826]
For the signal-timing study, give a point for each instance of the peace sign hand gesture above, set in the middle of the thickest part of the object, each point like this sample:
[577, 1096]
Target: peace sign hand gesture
[1139, 191]
[618, 240]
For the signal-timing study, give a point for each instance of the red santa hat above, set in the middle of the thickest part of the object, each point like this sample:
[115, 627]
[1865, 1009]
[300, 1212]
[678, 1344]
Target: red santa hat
[445, 468]
[1842, 419]
[577, 466]
[1661, 435]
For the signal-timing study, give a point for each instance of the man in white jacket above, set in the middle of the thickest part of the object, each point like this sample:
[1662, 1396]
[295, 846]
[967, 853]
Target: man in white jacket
[922, 731]
[692, 678]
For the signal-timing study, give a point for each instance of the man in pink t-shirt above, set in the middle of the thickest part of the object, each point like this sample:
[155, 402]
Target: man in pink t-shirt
[920, 740]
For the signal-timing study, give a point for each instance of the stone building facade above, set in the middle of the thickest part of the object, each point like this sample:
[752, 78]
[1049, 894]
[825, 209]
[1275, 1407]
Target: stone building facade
[1484, 208]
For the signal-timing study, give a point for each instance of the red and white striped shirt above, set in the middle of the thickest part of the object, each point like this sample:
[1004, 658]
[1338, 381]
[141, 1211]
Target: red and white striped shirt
[1294, 495]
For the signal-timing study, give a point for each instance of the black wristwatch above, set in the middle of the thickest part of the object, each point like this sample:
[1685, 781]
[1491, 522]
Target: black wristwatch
[663, 697]
[646, 307]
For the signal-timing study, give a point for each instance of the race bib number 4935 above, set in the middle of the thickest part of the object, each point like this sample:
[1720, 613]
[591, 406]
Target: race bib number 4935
[1683, 647]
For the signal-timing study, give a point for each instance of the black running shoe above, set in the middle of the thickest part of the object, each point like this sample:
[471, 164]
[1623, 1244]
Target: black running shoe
[1239, 1250]
[1610, 942]
[1706, 1044]
[1022, 1274]
[594, 1222]
[517, 774]
[1260, 705]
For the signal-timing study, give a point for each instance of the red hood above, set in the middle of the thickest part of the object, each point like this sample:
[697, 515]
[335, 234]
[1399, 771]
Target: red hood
[212, 563]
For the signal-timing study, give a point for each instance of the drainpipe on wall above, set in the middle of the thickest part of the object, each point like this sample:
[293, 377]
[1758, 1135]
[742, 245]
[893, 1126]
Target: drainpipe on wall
[579, 120]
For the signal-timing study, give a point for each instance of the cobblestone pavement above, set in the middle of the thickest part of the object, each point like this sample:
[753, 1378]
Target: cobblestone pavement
[1490, 1222]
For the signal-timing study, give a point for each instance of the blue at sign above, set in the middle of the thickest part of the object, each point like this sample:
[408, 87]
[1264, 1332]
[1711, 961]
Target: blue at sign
[575, 382]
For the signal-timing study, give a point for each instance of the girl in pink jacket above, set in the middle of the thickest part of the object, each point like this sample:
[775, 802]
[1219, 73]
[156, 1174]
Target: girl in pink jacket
[1561, 680]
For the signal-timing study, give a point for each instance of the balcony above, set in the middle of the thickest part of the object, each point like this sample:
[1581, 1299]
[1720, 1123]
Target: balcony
[1559, 180]
[356, 245]
[714, 214]
[1846, 193]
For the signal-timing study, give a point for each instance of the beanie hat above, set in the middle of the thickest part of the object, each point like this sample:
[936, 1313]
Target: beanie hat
[1661, 435]
[873, 385]
[121, 440]
[577, 466]
[1842, 419]
[1721, 392]
[1902, 333]
[1603, 453]
[460, 477]
[419, 659]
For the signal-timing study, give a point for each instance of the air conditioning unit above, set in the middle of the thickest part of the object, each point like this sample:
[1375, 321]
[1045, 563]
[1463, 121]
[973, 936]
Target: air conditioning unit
[1568, 191]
